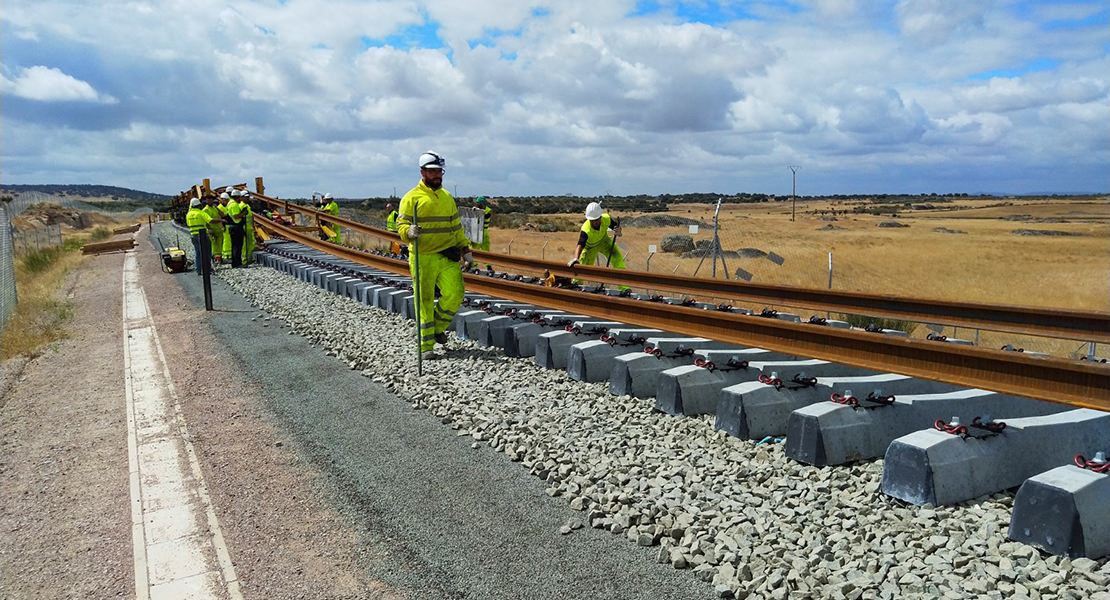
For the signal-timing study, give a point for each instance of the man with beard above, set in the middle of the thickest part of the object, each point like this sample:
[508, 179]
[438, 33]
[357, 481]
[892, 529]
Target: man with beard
[428, 213]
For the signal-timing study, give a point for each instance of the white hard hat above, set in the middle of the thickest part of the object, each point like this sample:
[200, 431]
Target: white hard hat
[327, 196]
[224, 196]
[431, 160]
[593, 211]
[194, 202]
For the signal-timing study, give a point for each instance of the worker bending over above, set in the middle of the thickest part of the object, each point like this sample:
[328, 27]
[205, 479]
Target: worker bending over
[331, 207]
[428, 213]
[594, 239]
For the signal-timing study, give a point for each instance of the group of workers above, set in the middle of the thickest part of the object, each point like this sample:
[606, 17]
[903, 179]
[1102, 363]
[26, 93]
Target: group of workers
[427, 223]
[228, 222]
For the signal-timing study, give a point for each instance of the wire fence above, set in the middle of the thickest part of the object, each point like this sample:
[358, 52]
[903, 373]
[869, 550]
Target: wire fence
[24, 200]
[8, 296]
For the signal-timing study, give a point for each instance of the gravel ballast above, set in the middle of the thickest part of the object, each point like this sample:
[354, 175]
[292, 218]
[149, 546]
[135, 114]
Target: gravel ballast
[739, 516]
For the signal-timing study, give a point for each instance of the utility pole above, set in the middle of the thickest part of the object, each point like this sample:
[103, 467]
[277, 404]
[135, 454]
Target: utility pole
[794, 191]
[456, 190]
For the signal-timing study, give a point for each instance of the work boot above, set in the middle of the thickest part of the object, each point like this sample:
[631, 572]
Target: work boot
[430, 355]
[441, 338]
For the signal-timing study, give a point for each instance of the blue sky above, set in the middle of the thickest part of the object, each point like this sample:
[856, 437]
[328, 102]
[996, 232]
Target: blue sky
[537, 98]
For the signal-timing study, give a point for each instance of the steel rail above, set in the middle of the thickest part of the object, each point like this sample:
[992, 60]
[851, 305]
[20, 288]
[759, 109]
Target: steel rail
[1075, 383]
[1056, 323]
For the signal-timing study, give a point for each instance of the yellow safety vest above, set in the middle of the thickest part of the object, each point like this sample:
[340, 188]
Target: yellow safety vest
[197, 220]
[438, 218]
[391, 222]
[595, 237]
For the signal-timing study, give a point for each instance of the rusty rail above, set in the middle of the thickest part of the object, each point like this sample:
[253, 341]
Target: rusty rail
[1076, 383]
[1056, 323]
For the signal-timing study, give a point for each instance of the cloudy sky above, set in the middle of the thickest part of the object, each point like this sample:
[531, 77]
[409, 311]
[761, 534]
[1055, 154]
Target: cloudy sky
[582, 97]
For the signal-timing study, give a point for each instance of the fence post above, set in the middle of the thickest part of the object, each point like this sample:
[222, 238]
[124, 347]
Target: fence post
[8, 295]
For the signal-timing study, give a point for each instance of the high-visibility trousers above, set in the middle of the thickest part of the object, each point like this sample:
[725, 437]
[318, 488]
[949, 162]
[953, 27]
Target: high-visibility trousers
[216, 238]
[338, 239]
[248, 240]
[484, 245]
[226, 253]
[436, 270]
[608, 249]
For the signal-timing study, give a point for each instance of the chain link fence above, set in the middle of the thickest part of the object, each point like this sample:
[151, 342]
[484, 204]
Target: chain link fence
[8, 297]
[24, 200]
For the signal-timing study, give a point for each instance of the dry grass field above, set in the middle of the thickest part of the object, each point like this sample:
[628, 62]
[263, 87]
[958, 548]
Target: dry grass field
[963, 251]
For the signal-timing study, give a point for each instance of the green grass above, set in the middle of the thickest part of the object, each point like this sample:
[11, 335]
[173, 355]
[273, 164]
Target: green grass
[100, 234]
[37, 261]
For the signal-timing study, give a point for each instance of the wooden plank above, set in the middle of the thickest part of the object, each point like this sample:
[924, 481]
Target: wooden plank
[113, 246]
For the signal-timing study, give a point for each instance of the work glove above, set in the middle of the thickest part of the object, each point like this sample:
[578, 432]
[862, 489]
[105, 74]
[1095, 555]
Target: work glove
[413, 232]
[617, 232]
[572, 262]
[467, 259]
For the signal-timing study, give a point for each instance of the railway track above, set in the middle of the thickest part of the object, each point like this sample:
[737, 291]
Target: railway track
[1066, 383]
[1076, 383]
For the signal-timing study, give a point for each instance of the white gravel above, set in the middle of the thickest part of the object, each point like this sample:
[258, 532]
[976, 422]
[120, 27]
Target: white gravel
[741, 516]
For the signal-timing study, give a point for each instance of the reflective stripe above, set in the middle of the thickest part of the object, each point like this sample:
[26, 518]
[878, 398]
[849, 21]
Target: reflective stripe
[426, 325]
[424, 229]
[429, 337]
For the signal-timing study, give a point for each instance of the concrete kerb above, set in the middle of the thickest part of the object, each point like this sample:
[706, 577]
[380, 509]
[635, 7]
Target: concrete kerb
[934, 467]
[637, 374]
[757, 410]
[827, 433]
[1063, 511]
[553, 347]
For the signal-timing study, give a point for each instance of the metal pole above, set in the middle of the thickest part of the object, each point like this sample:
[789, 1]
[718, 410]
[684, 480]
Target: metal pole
[415, 260]
[205, 259]
[794, 191]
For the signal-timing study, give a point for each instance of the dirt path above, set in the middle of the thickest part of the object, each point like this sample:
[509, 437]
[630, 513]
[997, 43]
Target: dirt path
[65, 522]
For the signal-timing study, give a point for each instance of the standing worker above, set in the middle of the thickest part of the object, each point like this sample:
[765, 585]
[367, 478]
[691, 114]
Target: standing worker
[391, 225]
[235, 232]
[442, 245]
[248, 225]
[215, 226]
[594, 240]
[197, 220]
[487, 215]
[225, 200]
[331, 207]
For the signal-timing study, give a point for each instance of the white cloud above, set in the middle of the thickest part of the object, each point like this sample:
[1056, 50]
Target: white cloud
[48, 84]
[571, 96]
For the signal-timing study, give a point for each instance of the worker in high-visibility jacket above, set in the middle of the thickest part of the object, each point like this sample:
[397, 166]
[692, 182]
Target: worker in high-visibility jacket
[442, 244]
[594, 239]
[215, 226]
[331, 207]
[225, 252]
[197, 220]
[487, 216]
[391, 225]
[235, 228]
[247, 214]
